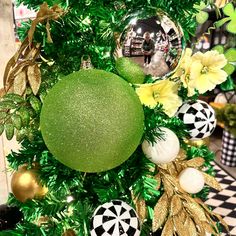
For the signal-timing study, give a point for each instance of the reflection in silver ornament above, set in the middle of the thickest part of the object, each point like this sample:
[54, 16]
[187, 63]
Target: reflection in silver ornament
[155, 43]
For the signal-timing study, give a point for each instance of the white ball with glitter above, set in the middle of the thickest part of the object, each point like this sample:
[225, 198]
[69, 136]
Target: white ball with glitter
[191, 180]
[164, 150]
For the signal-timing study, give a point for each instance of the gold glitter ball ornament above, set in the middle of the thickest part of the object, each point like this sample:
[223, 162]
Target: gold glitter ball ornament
[92, 120]
[25, 185]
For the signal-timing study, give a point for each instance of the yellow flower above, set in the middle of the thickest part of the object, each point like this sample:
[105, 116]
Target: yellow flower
[206, 71]
[183, 69]
[164, 92]
[184, 64]
[145, 93]
[202, 71]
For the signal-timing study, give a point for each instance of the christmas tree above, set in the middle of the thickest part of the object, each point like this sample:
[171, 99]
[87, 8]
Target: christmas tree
[106, 146]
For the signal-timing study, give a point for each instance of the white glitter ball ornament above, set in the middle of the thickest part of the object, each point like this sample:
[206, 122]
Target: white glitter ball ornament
[163, 150]
[191, 180]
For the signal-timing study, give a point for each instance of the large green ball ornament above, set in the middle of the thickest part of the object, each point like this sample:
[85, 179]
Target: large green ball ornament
[92, 120]
[130, 70]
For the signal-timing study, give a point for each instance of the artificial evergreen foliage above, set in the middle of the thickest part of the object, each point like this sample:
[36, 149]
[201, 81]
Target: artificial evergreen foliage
[90, 28]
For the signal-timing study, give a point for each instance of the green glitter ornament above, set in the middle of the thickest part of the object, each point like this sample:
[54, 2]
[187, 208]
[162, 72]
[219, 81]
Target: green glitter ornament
[92, 120]
[130, 71]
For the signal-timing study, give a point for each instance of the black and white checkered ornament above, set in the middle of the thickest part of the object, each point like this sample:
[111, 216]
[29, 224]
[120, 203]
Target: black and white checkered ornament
[115, 218]
[199, 118]
[228, 154]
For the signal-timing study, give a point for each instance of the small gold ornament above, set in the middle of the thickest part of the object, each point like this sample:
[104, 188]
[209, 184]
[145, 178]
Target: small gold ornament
[198, 143]
[69, 232]
[24, 184]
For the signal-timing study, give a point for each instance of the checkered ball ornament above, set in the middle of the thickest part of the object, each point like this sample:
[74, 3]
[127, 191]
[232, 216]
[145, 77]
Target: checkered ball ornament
[115, 218]
[199, 117]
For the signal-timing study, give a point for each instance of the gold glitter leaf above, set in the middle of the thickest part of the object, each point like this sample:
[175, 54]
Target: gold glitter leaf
[158, 179]
[211, 181]
[34, 78]
[171, 169]
[140, 209]
[199, 226]
[179, 166]
[196, 210]
[173, 180]
[49, 38]
[182, 215]
[12, 62]
[191, 227]
[195, 162]
[140, 206]
[175, 205]
[180, 228]
[160, 212]
[208, 214]
[208, 228]
[212, 223]
[19, 84]
[199, 201]
[168, 188]
[168, 229]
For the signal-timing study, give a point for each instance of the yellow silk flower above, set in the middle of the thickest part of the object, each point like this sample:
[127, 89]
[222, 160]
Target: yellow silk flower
[202, 71]
[184, 65]
[206, 71]
[183, 69]
[164, 92]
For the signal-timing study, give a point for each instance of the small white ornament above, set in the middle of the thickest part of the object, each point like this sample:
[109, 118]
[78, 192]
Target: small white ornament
[191, 180]
[163, 150]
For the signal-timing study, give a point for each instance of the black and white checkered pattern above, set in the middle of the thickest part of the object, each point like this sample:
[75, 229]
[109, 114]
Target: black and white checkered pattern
[115, 218]
[199, 118]
[228, 155]
[224, 202]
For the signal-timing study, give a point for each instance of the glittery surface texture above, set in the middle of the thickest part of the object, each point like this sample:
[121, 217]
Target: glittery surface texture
[129, 70]
[92, 120]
